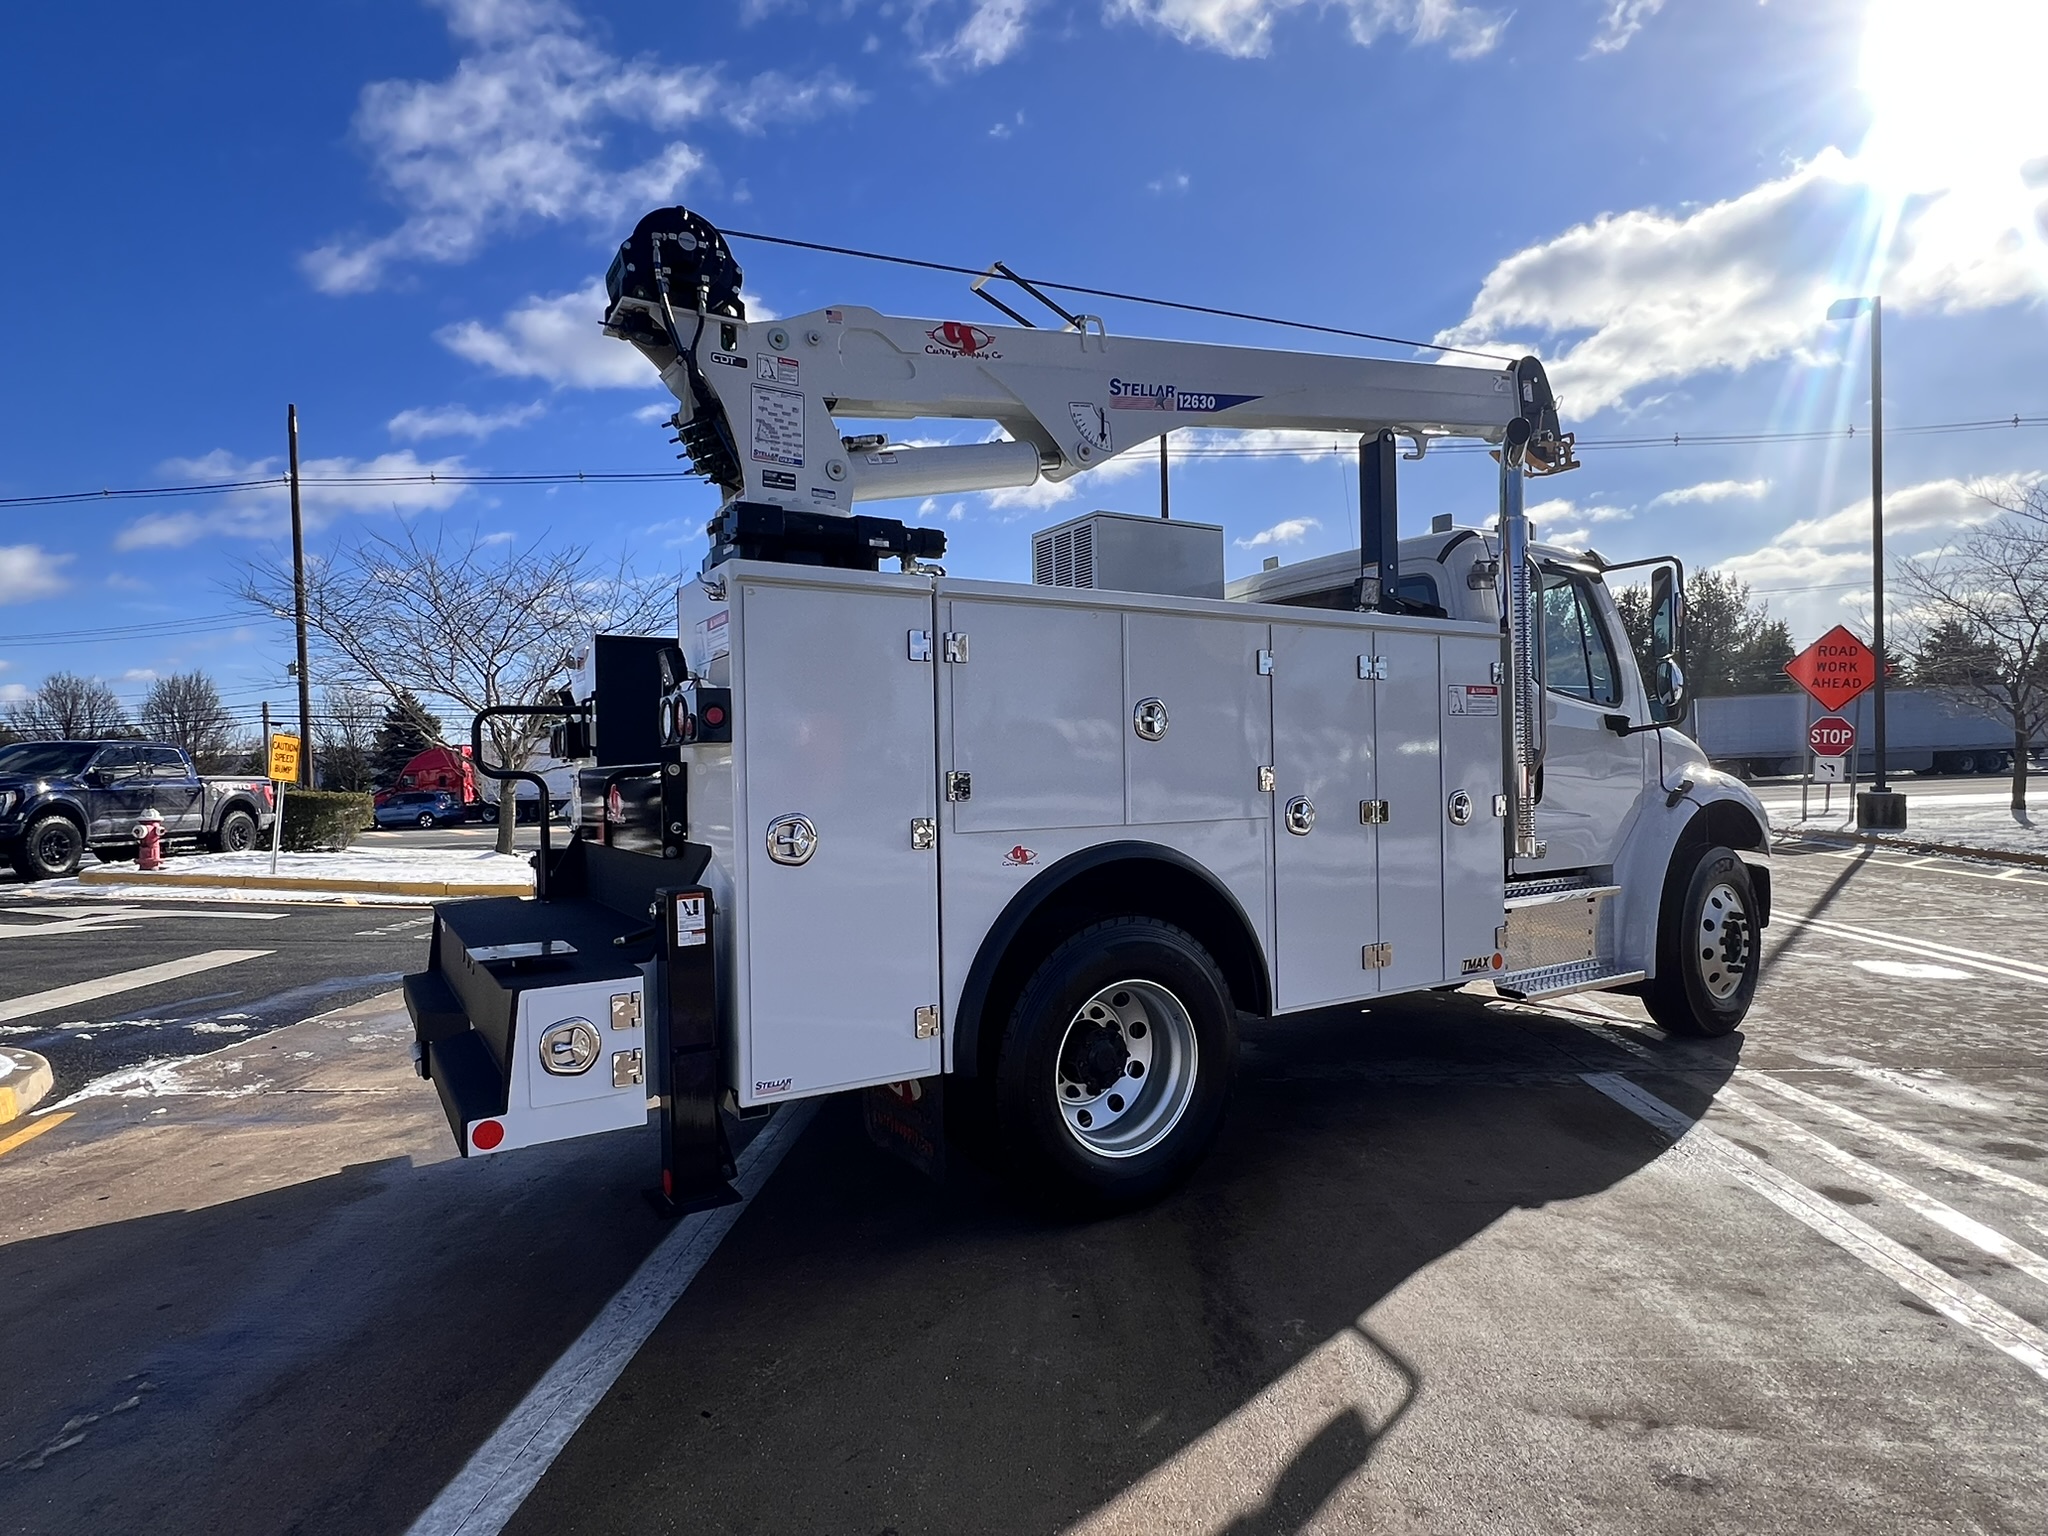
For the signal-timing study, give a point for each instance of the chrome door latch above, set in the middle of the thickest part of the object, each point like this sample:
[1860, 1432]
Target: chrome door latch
[1301, 816]
[924, 834]
[925, 1023]
[1372, 813]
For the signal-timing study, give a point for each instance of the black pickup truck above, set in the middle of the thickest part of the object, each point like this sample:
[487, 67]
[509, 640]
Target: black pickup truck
[59, 798]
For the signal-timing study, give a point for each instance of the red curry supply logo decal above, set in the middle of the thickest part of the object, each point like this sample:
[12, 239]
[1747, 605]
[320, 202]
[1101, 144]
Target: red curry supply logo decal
[956, 338]
[1020, 855]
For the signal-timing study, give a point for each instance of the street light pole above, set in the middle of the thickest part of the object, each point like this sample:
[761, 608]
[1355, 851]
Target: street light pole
[1880, 807]
[291, 417]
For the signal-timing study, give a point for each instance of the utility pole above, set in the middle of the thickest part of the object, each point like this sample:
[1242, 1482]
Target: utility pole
[299, 610]
[1877, 528]
[263, 752]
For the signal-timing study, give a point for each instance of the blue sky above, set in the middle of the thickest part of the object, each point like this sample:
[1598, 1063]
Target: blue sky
[395, 213]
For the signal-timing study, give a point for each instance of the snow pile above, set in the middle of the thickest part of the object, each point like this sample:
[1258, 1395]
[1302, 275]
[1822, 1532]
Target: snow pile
[372, 870]
[1958, 819]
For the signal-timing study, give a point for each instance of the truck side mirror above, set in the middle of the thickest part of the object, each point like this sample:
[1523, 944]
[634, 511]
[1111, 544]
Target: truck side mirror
[1667, 645]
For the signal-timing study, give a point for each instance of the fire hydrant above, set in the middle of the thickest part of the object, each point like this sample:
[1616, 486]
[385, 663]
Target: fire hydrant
[149, 836]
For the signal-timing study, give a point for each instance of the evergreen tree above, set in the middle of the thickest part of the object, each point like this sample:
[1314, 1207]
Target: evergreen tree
[407, 731]
[1733, 645]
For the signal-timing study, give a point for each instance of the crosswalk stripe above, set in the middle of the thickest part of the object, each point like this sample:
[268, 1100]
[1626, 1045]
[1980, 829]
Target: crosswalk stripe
[124, 981]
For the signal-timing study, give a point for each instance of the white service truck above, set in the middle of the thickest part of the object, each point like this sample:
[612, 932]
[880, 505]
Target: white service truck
[1016, 857]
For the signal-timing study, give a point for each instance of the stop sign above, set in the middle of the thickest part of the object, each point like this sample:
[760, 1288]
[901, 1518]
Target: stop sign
[1831, 736]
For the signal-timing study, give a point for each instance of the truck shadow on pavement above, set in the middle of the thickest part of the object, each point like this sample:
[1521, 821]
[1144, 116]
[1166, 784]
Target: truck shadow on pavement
[868, 1351]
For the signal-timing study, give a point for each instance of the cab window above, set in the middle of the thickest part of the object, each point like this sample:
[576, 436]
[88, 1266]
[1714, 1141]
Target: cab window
[165, 762]
[119, 762]
[1578, 658]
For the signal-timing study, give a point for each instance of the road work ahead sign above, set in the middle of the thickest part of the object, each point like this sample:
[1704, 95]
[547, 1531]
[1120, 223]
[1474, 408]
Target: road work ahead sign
[1834, 669]
[284, 759]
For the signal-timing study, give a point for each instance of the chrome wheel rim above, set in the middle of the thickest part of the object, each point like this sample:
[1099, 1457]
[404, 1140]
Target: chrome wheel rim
[1126, 1067]
[1725, 942]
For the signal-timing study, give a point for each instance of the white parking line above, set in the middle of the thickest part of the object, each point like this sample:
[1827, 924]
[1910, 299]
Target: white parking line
[2003, 1330]
[124, 981]
[1906, 1141]
[1928, 949]
[1968, 1228]
[506, 1468]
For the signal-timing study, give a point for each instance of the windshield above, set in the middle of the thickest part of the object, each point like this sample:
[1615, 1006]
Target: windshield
[64, 758]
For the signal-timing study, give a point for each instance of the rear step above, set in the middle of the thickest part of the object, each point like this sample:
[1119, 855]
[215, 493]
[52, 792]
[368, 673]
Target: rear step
[470, 1082]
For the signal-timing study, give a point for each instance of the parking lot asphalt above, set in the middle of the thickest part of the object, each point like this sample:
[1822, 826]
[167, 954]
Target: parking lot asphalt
[1446, 1272]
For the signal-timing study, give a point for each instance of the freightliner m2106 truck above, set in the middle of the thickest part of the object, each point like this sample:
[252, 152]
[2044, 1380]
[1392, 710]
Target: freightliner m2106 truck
[1019, 856]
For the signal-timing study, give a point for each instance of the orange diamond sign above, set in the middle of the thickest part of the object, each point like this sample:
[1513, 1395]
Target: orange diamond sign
[1835, 668]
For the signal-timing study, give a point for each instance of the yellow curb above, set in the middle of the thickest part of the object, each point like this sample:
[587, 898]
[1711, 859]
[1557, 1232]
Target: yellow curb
[26, 1086]
[111, 876]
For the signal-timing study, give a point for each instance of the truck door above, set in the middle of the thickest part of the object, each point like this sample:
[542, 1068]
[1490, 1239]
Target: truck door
[174, 790]
[1592, 778]
[1326, 906]
[836, 952]
[117, 794]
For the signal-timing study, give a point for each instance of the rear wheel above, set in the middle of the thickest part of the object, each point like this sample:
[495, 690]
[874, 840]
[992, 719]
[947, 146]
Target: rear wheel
[1115, 1067]
[50, 849]
[426, 818]
[1708, 945]
[237, 832]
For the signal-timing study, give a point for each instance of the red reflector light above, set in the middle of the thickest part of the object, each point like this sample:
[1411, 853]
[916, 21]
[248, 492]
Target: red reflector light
[486, 1134]
[714, 716]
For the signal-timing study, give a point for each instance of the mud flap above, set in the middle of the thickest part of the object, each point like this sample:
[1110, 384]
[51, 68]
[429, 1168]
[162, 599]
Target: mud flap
[909, 1120]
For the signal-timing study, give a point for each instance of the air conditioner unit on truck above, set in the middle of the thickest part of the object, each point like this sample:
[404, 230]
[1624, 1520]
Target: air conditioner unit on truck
[1025, 853]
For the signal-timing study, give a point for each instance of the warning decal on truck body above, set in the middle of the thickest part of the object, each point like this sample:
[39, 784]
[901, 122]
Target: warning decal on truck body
[778, 427]
[1472, 699]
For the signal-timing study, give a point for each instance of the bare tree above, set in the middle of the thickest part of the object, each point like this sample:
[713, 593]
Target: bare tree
[1983, 603]
[450, 617]
[185, 710]
[69, 707]
[345, 731]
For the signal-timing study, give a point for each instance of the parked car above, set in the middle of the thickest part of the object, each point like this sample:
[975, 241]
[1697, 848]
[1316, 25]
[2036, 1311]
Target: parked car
[59, 798]
[421, 808]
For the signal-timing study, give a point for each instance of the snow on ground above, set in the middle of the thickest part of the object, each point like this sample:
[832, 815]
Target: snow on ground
[367, 866]
[1963, 819]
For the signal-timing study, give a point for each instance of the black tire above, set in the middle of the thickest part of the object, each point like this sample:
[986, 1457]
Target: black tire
[50, 849]
[1708, 945]
[1152, 995]
[237, 832]
[488, 812]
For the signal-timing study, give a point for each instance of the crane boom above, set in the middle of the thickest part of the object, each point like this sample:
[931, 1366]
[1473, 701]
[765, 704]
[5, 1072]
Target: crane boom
[760, 400]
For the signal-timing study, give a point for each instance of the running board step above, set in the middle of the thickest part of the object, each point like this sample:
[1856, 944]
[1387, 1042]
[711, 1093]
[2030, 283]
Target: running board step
[1556, 980]
[1543, 893]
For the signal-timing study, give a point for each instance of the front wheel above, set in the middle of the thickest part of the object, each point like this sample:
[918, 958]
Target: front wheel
[51, 849]
[1115, 1066]
[1709, 946]
[426, 818]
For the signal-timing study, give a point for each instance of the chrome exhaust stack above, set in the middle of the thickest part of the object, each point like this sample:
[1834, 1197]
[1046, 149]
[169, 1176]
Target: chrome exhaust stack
[1521, 649]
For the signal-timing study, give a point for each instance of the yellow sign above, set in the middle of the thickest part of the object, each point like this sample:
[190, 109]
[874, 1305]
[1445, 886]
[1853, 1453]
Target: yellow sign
[284, 759]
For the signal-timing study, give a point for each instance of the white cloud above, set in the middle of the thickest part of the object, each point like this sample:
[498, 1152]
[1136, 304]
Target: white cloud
[1624, 19]
[1179, 181]
[1562, 509]
[1290, 530]
[390, 482]
[1712, 490]
[993, 30]
[554, 338]
[28, 571]
[660, 411]
[459, 421]
[520, 133]
[15, 693]
[1636, 299]
[138, 675]
[1244, 28]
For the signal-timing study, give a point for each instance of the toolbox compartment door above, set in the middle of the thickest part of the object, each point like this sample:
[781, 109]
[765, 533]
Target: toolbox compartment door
[834, 721]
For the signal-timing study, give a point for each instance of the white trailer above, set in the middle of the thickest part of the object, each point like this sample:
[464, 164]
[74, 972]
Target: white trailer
[1016, 857]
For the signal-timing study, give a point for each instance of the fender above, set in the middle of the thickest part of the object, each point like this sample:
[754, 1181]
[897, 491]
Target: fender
[1178, 890]
[1717, 808]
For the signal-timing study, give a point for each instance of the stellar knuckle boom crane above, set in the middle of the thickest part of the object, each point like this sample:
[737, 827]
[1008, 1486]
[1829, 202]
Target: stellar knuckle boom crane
[1014, 858]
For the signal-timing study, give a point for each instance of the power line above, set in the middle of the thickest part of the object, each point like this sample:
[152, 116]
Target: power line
[1211, 451]
[1108, 293]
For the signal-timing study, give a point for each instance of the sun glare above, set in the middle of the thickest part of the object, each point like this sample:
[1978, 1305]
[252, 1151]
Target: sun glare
[1955, 92]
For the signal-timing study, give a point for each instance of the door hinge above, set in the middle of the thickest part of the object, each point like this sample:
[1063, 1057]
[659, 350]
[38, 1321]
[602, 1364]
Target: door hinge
[1497, 673]
[956, 646]
[924, 834]
[1373, 669]
[959, 786]
[926, 1023]
[1372, 813]
[920, 645]
[1376, 957]
[1500, 937]
[1265, 663]
[1265, 781]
